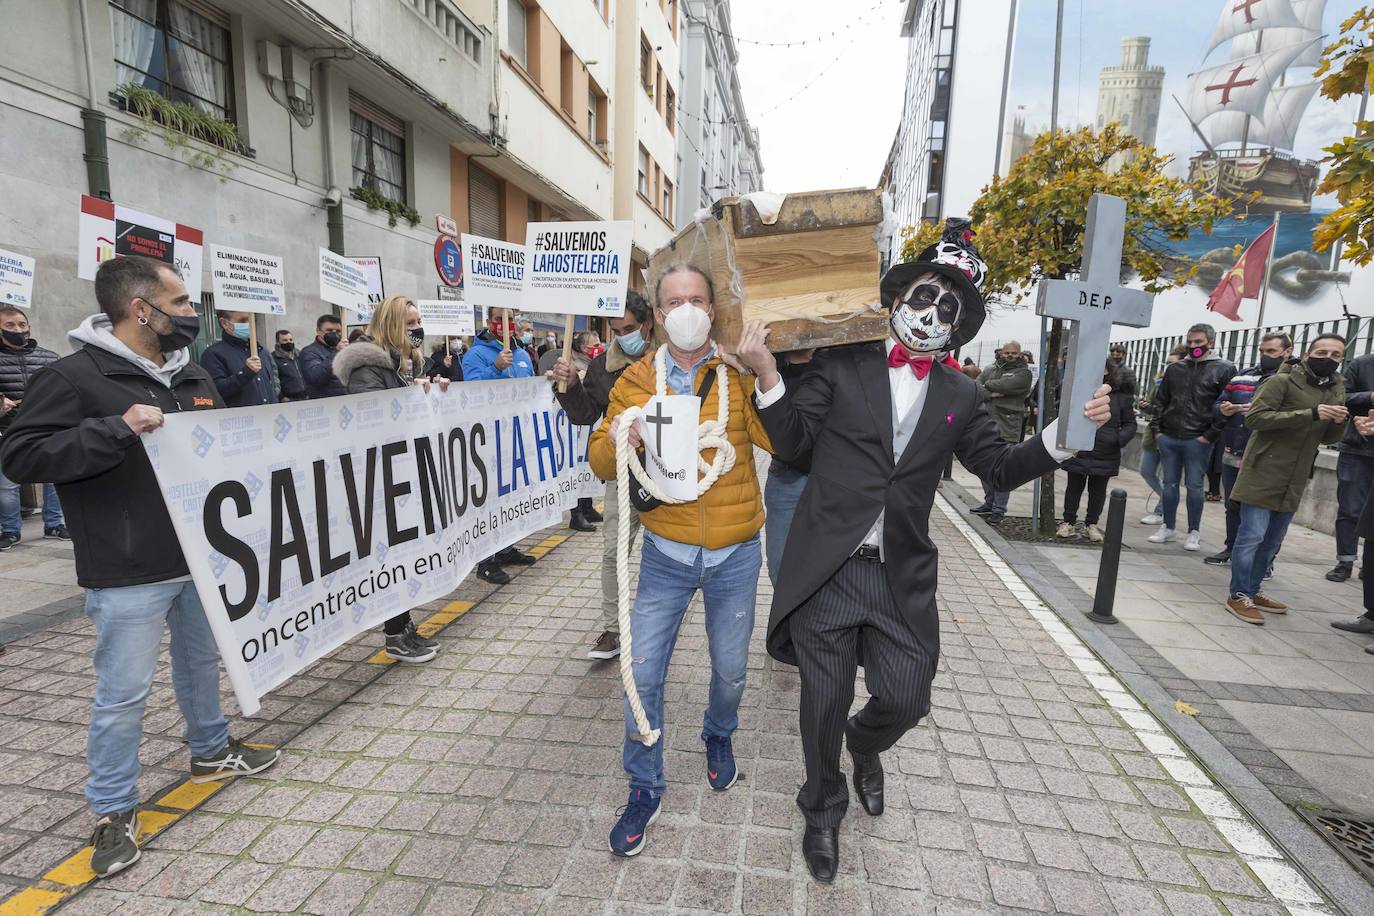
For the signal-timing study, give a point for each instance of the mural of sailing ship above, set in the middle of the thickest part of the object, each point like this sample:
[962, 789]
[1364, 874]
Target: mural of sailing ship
[1247, 109]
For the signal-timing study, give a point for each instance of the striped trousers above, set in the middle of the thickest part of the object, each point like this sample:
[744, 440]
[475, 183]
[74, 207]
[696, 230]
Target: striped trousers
[854, 607]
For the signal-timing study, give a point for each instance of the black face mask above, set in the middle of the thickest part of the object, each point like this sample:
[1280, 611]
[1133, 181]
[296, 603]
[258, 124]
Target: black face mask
[183, 333]
[16, 339]
[1322, 366]
[288, 347]
[331, 339]
[1118, 360]
[1199, 352]
[1270, 363]
[417, 337]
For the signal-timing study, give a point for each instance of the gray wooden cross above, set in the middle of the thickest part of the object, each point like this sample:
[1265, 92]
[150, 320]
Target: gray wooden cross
[1093, 303]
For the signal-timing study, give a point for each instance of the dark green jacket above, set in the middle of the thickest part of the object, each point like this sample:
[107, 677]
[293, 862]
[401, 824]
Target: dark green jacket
[1013, 384]
[1285, 437]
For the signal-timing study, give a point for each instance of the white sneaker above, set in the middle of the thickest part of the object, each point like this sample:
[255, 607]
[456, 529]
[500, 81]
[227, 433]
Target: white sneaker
[1154, 518]
[1095, 534]
[1066, 530]
[1162, 536]
[1194, 541]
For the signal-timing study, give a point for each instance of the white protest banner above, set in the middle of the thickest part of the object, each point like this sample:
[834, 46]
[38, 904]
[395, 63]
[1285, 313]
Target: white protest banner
[107, 230]
[670, 443]
[577, 268]
[16, 279]
[344, 284]
[372, 269]
[494, 272]
[442, 316]
[247, 281]
[307, 523]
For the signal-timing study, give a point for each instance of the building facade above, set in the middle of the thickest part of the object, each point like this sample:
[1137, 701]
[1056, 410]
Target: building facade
[1130, 94]
[719, 152]
[947, 146]
[319, 119]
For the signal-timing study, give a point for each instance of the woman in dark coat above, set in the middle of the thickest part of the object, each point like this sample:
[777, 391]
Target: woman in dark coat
[1092, 470]
[384, 358]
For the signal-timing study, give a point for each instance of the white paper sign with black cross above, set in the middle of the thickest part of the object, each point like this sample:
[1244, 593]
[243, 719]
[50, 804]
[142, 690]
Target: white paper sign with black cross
[1093, 303]
[669, 432]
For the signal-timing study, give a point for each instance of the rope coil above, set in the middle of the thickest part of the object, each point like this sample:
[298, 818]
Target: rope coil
[710, 434]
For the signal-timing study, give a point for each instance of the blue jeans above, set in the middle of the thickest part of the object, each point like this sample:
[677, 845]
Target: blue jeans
[1149, 468]
[1354, 475]
[781, 494]
[665, 589]
[1258, 540]
[1184, 460]
[10, 519]
[996, 500]
[128, 631]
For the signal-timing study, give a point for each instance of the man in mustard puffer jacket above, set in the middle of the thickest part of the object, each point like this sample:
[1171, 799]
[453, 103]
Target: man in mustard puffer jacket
[711, 544]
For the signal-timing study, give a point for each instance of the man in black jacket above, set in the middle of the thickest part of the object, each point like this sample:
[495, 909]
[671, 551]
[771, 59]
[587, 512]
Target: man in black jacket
[80, 428]
[20, 358]
[317, 359]
[1354, 467]
[288, 369]
[880, 422]
[585, 403]
[1185, 427]
[244, 379]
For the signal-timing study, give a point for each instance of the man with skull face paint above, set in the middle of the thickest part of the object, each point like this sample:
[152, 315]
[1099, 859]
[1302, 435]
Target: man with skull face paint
[880, 421]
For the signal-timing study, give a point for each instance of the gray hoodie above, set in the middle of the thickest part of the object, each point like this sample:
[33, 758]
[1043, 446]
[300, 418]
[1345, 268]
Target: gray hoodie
[98, 330]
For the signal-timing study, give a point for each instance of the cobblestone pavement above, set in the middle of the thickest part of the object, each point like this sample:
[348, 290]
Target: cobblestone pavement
[488, 779]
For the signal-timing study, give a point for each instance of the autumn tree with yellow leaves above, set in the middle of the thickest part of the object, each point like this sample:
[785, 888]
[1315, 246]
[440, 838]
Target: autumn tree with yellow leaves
[1030, 226]
[1345, 70]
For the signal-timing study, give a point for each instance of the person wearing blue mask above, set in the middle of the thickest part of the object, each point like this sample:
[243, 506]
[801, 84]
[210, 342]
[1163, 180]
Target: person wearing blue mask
[585, 403]
[244, 379]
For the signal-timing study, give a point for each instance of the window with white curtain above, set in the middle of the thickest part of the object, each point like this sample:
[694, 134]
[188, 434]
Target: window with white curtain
[517, 31]
[379, 150]
[178, 48]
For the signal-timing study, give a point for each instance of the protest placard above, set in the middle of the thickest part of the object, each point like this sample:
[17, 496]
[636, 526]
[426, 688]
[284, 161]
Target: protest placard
[16, 279]
[669, 432]
[344, 283]
[577, 268]
[372, 269]
[307, 523]
[495, 272]
[442, 316]
[247, 281]
[108, 230]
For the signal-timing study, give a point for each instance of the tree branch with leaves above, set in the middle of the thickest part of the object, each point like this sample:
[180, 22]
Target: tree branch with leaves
[1345, 70]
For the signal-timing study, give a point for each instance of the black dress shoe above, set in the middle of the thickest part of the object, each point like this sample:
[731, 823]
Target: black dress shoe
[821, 849]
[512, 557]
[592, 515]
[1340, 573]
[981, 510]
[578, 523]
[1358, 625]
[868, 782]
[490, 572]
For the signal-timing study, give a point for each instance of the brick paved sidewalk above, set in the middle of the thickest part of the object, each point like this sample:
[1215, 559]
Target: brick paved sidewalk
[488, 779]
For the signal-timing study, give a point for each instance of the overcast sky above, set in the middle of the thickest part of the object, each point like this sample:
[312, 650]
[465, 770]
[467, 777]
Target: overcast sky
[837, 132]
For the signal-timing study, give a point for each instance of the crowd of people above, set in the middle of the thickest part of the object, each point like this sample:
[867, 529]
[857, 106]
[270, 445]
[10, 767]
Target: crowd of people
[837, 423]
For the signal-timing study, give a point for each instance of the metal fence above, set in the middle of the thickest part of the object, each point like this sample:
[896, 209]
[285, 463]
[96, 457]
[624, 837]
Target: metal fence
[1241, 346]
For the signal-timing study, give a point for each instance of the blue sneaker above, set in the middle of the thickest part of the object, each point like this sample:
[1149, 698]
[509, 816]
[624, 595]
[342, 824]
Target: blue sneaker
[721, 772]
[627, 836]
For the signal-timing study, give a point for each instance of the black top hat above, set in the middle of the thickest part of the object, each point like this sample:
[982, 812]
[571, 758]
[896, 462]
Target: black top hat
[956, 259]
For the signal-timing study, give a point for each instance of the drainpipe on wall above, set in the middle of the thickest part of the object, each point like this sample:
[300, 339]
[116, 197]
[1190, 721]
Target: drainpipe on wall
[96, 154]
[334, 202]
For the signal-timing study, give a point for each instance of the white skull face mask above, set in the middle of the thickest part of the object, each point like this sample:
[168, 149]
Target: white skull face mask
[923, 319]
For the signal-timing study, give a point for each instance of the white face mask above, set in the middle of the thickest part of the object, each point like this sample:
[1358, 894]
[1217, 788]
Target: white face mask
[688, 327]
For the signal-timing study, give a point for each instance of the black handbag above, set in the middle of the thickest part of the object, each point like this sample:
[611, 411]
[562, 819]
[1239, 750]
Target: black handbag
[639, 497]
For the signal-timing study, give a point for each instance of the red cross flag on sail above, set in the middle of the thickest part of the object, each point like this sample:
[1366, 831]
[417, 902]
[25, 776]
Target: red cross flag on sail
[1246, 279]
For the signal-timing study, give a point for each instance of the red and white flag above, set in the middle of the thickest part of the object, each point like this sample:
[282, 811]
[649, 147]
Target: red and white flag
[1245, 280]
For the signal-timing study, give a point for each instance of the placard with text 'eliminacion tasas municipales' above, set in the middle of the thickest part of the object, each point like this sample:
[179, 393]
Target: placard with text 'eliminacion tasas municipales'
[247, 281]
[577, 268]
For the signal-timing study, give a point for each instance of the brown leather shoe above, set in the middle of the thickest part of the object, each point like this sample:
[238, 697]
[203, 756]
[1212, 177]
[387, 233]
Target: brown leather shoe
[1265, 603]
[1242, 607]
[607, 645]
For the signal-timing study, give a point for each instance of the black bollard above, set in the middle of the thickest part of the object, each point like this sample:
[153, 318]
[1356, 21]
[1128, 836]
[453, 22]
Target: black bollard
[1105, 599]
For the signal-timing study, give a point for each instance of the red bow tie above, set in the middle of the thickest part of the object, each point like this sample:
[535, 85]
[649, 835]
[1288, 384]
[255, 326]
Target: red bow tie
[901, 356]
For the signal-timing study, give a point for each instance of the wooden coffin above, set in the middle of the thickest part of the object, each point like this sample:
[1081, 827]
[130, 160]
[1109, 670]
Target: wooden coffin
[810, 271]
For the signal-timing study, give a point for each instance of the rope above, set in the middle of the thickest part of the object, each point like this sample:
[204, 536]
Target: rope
[710, 434]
